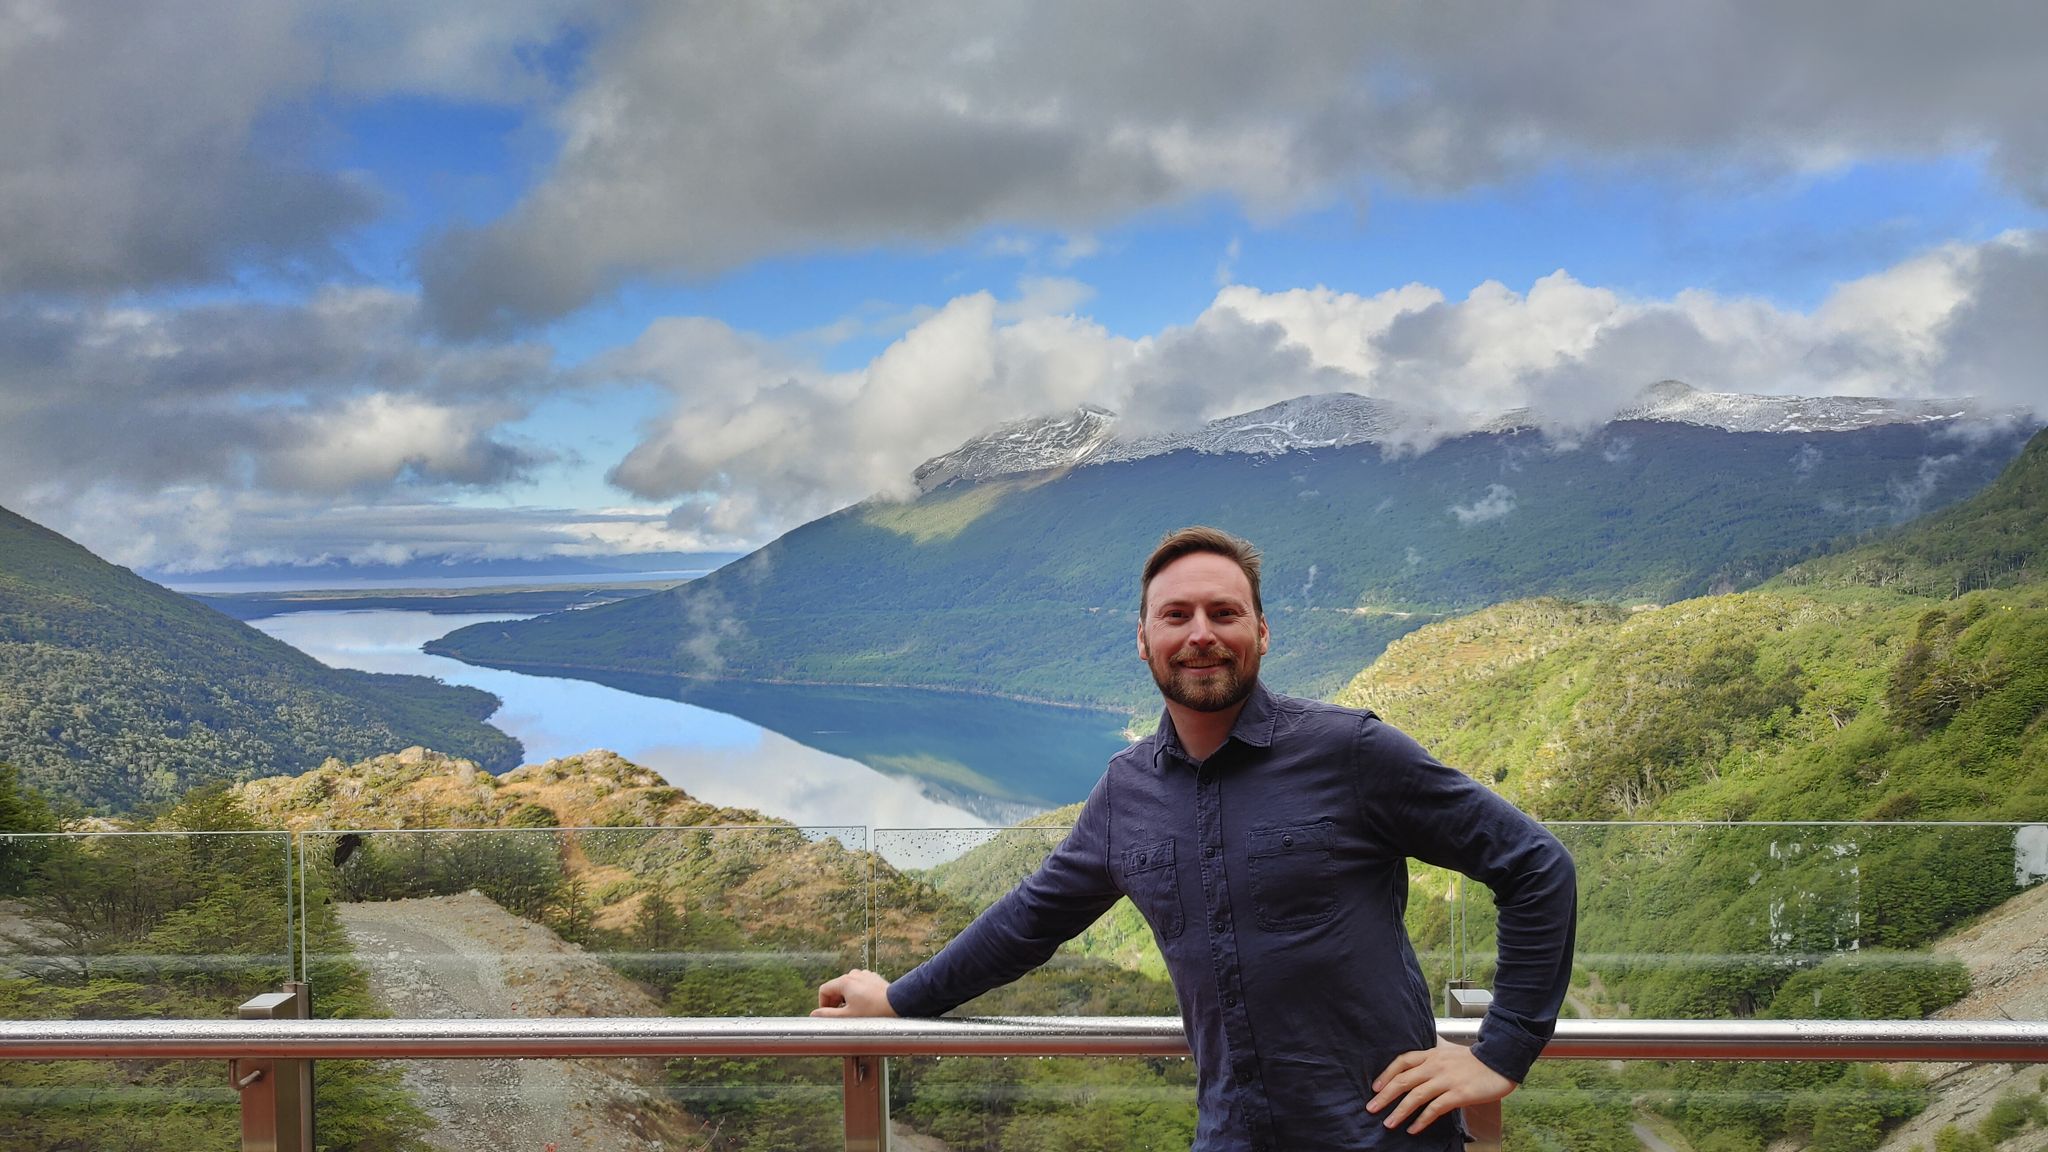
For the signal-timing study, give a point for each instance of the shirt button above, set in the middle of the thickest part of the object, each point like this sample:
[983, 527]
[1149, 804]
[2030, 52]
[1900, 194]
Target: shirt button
[1229, 1001]
[1222, 925]
[1141, 858]
[1287, 841]
[1210, 851]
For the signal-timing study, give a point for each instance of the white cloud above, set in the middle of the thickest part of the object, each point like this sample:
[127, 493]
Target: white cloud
[1075, 249]
[378, 440]
[1226, 268]
[344, 394]
[1045, 296]
[1335, 328]
[195, 528]
[1498, 502]
[760, 440]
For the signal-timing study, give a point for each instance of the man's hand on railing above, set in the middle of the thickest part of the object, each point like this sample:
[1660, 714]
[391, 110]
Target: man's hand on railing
[1442, 1078]
[858, 993]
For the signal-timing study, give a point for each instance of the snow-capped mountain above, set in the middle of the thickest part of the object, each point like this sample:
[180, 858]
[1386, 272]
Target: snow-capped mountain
[1331, 420]
[1021, 446]
[1088, 434]
[1682, 404]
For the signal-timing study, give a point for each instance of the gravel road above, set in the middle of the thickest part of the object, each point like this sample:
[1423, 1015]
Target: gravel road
[463, 957]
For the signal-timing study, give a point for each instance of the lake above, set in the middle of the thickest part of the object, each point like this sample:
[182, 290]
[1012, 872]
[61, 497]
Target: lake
[882, 758]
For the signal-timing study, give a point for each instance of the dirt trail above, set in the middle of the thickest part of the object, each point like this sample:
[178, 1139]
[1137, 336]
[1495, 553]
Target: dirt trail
[463, 957]
[2007, 955]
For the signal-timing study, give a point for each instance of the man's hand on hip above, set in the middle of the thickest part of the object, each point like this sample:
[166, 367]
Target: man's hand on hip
[1434, 1080]
[858, 993]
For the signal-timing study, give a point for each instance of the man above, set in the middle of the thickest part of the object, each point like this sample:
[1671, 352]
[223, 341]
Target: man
[1266, 840]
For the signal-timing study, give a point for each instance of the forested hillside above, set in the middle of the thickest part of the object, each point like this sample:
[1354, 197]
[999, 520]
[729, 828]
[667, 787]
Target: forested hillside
[1995, 540]
[1027, 585]
[115, 692]
[185, 923]
[1859, 687]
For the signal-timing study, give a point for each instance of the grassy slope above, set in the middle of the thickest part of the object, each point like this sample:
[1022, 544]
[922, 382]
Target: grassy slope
[1027, 586]
[116, 692]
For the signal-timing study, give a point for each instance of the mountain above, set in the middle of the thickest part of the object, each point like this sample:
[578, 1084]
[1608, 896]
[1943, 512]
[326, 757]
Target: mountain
[1089, 435]
[1833, 692]
[116, 692]
[1680, 403]
[1997, 539]
[1902, 679]
[1025, 583]
[1022, 446]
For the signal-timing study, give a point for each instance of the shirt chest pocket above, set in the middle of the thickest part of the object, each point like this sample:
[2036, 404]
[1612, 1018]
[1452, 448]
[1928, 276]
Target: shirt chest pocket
[1293, 876]
[1152, 881]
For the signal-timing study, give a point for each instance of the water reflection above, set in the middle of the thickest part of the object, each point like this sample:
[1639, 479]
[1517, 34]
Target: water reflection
[1004, 760]
[713, 756]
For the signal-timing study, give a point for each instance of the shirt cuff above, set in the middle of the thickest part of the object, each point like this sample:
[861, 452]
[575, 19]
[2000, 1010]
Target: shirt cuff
[1507, 1047]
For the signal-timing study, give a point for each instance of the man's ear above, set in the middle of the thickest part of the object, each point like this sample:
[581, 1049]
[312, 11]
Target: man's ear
[1265, 636]
[1143, 652]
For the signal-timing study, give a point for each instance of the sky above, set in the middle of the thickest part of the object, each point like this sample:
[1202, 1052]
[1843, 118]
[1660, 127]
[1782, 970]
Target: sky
[301, 281]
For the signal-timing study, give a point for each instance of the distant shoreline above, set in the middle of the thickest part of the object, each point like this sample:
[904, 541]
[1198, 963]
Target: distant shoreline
[531, 600]
[538, 668]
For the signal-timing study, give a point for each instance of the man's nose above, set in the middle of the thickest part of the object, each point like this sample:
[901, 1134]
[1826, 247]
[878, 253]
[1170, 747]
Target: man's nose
[1200, 631]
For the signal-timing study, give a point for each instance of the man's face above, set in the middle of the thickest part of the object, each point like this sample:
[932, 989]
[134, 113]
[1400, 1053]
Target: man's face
[1200, 636]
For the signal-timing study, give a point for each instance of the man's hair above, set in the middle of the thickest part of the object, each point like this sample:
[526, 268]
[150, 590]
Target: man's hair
[1201, 538]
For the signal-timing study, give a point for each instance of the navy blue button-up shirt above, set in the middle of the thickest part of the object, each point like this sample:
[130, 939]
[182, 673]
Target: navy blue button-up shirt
[1274, 875]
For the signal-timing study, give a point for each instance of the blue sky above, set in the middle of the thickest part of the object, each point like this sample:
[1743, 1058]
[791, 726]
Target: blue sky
[283, 282]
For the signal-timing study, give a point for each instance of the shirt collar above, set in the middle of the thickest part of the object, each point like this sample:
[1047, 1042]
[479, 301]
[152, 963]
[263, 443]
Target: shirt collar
[1254, 725]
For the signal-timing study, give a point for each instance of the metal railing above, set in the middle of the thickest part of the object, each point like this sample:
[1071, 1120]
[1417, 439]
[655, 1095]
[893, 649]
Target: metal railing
[273, 1045]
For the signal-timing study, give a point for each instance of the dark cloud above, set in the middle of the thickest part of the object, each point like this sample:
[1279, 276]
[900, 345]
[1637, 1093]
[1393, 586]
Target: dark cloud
[1996, 342]
[1220, 366]
[129, 150]
[707, 137]
[342, 394]
[146, 144]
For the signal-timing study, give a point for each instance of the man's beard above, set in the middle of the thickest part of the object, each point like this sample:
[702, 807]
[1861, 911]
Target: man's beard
[1229, 686]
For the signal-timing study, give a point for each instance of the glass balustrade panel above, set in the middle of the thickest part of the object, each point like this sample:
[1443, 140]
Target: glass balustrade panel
[544, 923]
[1870, 921]
[929, 884]
[129, 926]
[1627, 1106]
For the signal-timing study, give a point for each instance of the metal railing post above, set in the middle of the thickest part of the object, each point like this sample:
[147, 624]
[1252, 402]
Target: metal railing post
[277, 1095]
[867, 1104]
[1483, 1122]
